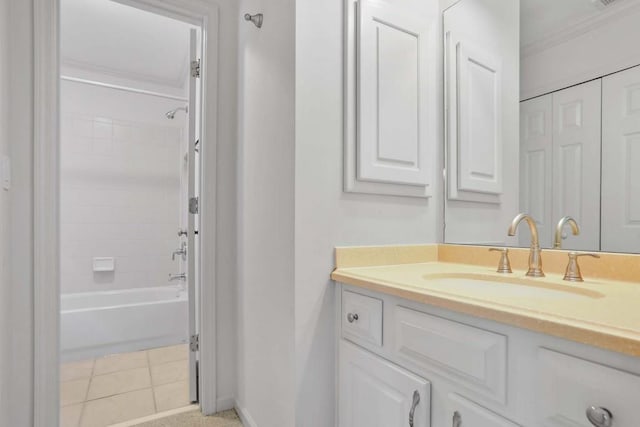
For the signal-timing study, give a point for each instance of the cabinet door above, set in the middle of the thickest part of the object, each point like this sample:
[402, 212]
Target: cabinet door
[576, 162]
[377, 393]
[394, 88]
[481, 119]
[569, 386]
[620, 160]
[463, 413]
[536, 167]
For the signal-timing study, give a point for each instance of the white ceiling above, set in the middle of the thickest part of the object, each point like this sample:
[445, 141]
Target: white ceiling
[540, 19]
[106, 37]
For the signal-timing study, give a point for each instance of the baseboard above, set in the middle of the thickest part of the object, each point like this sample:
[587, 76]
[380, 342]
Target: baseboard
[246, 419]
[225, 403]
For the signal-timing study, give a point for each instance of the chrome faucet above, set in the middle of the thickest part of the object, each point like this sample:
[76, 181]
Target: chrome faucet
[180, 276]
[535, 259]
[557, 241]
[182, 251]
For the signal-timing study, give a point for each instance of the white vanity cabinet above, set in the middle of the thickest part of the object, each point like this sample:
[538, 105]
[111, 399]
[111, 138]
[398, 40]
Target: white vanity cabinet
[470, 372]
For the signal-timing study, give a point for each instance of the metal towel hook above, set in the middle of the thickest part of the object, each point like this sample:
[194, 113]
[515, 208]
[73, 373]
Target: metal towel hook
[256, 19]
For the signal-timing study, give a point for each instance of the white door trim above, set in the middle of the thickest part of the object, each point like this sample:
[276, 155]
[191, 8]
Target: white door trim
[46, 275]
[47, 195]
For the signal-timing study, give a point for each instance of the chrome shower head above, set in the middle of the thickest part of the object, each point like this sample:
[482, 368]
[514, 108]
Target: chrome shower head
[172, 114]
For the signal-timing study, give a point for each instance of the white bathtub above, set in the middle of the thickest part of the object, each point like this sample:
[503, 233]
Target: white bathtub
[95, 324]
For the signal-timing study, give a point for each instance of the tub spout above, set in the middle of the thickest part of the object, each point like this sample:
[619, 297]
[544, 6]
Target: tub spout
[182, 277]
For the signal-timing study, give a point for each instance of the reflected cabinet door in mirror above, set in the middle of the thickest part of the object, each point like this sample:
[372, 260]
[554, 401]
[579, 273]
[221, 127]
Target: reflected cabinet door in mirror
[621, 162]
[394, 45]
[481, 119]
[536, 166]
[576, 162]
[560, 164]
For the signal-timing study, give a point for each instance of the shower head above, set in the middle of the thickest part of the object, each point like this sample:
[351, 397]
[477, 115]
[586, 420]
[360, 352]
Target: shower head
[172, 114]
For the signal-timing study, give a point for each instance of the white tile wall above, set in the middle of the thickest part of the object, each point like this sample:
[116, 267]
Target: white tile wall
[120, 197]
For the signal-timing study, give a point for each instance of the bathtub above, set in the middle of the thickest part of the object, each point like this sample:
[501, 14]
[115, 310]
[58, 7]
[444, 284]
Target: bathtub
[94, 324]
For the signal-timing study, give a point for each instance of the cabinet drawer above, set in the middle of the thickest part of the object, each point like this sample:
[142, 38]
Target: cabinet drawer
[463, 412]
[361, 317]
[472, 357]
[568, 386]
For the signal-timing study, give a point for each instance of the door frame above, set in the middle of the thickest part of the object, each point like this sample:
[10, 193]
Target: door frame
[46, 197]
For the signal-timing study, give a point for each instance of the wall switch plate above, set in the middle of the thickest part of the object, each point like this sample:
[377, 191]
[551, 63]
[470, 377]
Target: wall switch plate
[5, 175]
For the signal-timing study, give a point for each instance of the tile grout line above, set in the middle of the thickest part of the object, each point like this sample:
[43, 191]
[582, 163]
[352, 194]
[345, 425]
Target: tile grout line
[153, 388]
[84, 402]
[92, 376]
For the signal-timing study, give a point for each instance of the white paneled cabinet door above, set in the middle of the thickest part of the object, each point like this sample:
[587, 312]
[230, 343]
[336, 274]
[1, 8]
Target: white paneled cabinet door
[576, 162]
[463, 413]
[621, 162]
[569, 388]
[394, 88]
[479, 119]
[536, 166]
[377, 393]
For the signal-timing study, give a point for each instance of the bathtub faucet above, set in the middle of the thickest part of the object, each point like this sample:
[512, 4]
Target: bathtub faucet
[182, 251]
[181, 277]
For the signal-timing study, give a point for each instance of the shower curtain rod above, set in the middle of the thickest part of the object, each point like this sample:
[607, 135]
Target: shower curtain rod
[123, 88]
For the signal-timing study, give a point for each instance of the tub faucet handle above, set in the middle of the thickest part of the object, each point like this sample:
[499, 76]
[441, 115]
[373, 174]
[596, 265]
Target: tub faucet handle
[182, 251]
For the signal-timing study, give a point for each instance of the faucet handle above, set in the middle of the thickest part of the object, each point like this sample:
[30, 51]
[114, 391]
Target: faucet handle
[573, 273]
[504, 266]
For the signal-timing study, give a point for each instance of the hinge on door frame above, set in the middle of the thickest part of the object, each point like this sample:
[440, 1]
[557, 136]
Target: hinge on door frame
[195, 68]
[193, 205]
[194, 343]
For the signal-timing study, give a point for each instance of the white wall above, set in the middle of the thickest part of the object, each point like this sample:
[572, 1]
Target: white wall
[266, 191]
[121, 160]
[20, 343]
[325, 216]
[4, 216]
[602, 50]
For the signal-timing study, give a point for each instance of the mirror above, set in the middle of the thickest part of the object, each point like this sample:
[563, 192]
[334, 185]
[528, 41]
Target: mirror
[542, 115]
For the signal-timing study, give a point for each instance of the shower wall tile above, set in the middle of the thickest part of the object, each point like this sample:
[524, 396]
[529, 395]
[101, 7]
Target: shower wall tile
[121, 193]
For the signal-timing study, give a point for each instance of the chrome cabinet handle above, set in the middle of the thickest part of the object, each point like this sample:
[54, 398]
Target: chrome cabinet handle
[599, 417]
[457, 419]
[351, 317]
[414, 403]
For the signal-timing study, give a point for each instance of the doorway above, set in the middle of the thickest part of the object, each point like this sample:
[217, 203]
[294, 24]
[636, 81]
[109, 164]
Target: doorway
[129, 216]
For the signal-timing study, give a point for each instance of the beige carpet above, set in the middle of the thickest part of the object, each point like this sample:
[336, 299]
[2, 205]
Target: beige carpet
[196, 419]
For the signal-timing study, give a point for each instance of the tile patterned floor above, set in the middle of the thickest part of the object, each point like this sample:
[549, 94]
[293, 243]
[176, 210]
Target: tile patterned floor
[122, 387]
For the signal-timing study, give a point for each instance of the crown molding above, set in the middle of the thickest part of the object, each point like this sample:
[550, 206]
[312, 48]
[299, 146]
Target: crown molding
[577, 29]
[176, 83]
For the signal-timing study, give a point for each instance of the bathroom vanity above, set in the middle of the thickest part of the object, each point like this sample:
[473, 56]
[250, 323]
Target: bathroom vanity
[441, 344]
[526, 111]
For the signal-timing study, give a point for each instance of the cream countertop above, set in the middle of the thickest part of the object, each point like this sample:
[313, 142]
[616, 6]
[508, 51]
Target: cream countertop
[599, 312]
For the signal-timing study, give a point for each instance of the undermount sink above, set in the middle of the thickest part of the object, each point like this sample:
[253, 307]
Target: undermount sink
[507, 286]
